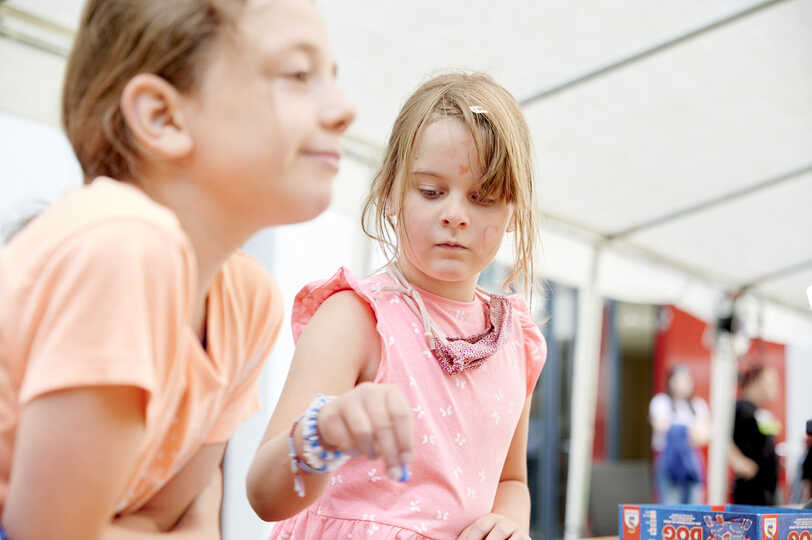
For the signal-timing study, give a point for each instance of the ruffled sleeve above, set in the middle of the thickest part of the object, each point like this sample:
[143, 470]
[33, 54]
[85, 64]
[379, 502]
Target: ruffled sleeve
[312, 295]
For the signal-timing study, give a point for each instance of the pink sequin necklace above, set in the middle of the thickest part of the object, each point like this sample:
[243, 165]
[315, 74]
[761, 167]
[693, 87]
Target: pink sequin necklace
[456, 354]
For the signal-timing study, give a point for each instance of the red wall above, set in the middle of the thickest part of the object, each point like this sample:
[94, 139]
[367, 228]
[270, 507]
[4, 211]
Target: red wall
[680, 340]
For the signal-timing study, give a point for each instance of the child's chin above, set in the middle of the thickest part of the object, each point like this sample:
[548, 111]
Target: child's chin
[299, 211]
[313, 211]
[451, 273]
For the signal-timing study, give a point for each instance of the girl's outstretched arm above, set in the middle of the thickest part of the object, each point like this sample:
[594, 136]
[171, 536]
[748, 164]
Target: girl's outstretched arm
[510, 516]
[74, 451]
[337, 354]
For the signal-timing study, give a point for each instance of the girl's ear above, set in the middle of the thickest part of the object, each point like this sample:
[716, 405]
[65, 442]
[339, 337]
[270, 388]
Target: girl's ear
[152, 109]
[511, 225]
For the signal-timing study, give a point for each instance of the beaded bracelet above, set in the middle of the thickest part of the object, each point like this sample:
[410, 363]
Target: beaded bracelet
[316, 460]
[313, 452]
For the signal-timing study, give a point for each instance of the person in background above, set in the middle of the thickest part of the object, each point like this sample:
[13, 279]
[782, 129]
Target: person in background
[806, 473]
[752, 454]
[680, 424]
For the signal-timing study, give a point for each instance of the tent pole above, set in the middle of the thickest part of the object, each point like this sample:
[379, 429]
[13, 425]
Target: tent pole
[584, 398]
[723, 396]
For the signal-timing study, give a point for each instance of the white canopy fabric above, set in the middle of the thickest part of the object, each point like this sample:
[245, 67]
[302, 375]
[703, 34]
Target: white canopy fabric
[637, 113]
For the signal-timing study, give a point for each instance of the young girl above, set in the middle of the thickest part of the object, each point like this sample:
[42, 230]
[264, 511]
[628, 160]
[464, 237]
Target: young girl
[680, 426]
[434, 375]
[131, 332]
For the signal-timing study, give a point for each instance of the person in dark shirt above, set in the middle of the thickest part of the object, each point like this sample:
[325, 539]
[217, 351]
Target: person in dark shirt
[752, 455]
[806, 472]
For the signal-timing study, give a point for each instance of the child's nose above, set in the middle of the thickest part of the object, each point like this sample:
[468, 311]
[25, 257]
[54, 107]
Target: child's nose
[455, 221]
[339, 114]
[454, 215]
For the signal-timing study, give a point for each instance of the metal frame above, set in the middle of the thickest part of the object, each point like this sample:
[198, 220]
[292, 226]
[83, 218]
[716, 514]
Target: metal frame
[33, 20]
[647, 52]
[713, 202]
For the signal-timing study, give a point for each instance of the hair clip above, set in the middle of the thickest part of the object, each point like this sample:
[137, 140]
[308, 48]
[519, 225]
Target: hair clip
[476, 109]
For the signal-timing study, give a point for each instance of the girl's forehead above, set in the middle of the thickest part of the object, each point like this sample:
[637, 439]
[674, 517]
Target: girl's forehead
[445, 134]
[274, 25]
[446, 148]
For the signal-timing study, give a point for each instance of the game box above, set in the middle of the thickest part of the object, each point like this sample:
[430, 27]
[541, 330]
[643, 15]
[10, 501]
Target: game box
[730, 522]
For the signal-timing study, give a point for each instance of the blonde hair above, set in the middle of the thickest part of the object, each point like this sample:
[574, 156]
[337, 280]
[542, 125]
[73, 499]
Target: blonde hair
[116, 40]
[502, 141]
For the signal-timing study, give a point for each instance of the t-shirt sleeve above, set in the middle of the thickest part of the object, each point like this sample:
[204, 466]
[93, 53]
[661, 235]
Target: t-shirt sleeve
[260, 313]
[535, 346]
[107, 308]
[660, 407]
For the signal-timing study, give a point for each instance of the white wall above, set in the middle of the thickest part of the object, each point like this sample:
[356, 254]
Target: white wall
[37, 165]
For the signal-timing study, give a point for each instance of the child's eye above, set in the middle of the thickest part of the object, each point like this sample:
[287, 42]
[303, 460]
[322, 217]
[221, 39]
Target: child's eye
[300, 76]
[429, 193]
[484, 202]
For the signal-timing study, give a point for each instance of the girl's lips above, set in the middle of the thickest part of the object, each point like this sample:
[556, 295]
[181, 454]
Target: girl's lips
[451, 245]
[328, 158]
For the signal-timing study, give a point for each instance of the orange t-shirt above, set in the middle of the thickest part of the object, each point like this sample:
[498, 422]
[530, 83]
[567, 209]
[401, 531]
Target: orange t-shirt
[98, 291]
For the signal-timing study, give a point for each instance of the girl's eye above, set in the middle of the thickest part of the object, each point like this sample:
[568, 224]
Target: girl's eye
[429, 193]
[300, 76]
[484, 202]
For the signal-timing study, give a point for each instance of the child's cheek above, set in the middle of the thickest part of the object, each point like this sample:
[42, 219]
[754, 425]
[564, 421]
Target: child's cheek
[491, 234]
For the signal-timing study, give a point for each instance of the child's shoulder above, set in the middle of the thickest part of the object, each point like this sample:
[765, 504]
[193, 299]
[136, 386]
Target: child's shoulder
[106, 200]
[346, 293]
[343, 279]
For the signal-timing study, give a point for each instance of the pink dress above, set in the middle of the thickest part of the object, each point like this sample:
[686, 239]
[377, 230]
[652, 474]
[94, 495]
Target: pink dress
[464, 423]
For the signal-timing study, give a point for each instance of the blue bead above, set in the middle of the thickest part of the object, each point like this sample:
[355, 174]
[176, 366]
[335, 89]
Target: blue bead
[406, 475]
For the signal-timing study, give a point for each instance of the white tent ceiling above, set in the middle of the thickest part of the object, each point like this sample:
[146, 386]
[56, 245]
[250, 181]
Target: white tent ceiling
[701, 111]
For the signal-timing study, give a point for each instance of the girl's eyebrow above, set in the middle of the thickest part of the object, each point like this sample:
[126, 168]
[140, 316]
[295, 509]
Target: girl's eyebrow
[428, 173]
[307, 47]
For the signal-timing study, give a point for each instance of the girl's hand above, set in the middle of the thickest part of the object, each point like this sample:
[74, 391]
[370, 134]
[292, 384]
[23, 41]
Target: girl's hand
[371, 419]
[745, 467]
[493, 527]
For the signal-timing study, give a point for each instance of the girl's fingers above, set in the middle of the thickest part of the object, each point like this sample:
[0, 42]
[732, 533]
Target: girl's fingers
[401, 417]
[374, 419]
[359, 425]
[375, 402]
[501, 531]
[333, 431]
[479, 528]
